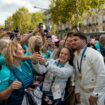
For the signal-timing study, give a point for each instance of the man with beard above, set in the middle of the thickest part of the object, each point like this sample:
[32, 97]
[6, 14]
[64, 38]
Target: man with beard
[90, 72]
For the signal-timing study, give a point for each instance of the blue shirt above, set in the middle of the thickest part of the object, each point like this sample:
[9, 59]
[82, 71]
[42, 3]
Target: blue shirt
[4, 78]
[46, 56]
[2, 60]
[4, 74]
[25, 76]
[24, 73]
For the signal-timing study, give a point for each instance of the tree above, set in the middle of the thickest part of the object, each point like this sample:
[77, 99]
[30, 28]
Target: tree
[54, 28]
[37, 18]
[1, 26]
[9, 23]
[73, 11]
[22, 20]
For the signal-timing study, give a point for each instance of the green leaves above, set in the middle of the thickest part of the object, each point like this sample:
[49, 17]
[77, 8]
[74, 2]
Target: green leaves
[73, 11]
[24, 20]
[37, 18]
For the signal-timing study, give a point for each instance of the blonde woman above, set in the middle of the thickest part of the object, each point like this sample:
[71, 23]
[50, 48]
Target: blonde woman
[20, 76]
[34, 44]
[5, 88]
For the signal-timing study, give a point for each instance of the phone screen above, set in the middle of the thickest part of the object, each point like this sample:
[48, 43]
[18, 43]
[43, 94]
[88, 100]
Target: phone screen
[37, 49]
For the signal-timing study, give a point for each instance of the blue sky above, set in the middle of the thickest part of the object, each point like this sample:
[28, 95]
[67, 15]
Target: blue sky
[8, 7]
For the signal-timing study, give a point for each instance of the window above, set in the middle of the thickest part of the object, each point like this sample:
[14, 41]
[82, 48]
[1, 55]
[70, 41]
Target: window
[103, 28]
[97, 20]
[97, 29]
[103, 18]
[93, 20]
[93, 30]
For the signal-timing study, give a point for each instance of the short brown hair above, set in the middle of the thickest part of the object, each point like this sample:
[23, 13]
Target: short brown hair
[80, 35]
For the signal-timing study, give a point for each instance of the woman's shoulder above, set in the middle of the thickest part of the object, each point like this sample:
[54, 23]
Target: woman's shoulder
[68, 65]
[5, 74]
[5, 71]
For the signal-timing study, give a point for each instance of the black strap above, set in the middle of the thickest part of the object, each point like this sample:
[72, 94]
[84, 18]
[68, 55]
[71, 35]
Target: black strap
[83, 53]
[0, 67]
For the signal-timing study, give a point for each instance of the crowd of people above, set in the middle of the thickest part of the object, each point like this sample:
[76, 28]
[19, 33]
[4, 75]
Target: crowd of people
[70, 71]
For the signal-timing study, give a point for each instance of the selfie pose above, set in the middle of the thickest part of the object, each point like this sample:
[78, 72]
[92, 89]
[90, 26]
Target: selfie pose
[56, 73]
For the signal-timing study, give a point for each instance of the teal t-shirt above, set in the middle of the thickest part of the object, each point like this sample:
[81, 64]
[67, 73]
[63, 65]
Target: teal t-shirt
[97, 45]
[2, 60]
[60, 65]
[24, 73]
[25, 47]
[46, 56]
[4, 78]
[25, 76]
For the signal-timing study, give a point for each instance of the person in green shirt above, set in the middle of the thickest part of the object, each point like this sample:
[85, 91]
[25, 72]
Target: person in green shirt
[5, 91]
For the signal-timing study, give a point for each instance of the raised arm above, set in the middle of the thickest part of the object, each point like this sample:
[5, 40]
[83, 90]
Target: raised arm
[63, 72]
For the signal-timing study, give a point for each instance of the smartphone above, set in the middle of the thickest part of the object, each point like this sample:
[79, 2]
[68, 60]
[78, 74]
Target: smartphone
[37, 49]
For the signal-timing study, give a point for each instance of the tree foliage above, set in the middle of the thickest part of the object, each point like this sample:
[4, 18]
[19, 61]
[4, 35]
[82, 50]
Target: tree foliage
[73, 11]
[24, 20]
[9, 23]
[37, 18]
[54, 28]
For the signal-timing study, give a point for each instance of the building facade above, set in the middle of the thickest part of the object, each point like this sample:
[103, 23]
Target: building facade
[94, 23]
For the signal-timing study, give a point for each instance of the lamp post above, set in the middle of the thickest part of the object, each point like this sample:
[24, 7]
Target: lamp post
[40, 8]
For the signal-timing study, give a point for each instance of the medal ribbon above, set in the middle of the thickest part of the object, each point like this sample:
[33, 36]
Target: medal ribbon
[83, 53]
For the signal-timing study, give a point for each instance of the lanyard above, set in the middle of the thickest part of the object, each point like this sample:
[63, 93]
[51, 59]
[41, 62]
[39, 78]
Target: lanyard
[83, 53]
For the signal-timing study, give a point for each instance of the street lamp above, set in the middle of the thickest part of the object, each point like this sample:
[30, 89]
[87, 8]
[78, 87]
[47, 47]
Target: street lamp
[40, 8]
